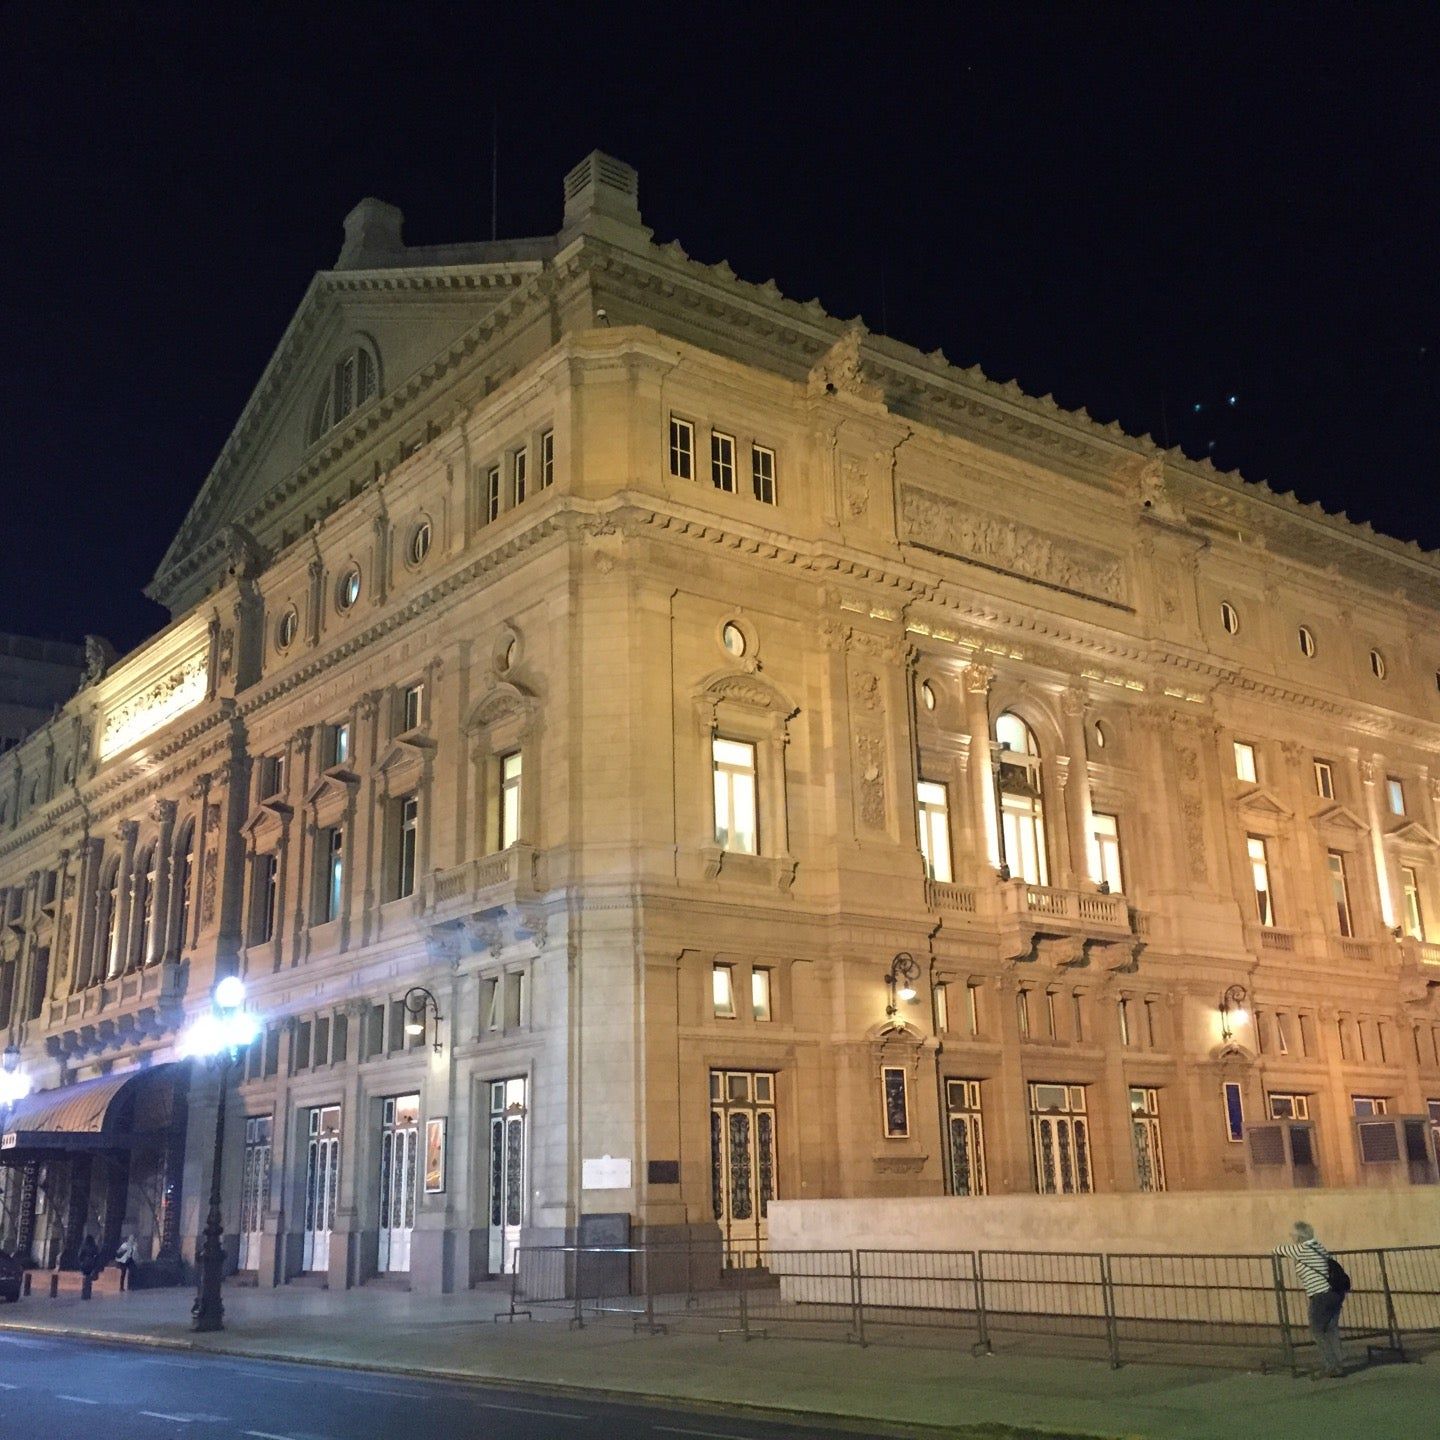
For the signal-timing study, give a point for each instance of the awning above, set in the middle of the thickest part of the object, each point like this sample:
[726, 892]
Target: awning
[74, 1117]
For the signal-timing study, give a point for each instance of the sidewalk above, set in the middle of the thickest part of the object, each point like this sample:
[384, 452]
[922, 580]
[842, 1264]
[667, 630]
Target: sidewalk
[889, 1382]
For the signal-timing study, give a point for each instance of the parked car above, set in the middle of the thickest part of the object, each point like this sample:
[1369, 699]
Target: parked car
[12, 1273]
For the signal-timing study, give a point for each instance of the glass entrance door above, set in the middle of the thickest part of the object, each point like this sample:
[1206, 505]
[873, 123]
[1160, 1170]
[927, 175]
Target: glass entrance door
[507, 1170]
[967, 1137]
[322, 1184]
[254, 1189]
[742, 1157]
[399, 1149]
[1060, 1130]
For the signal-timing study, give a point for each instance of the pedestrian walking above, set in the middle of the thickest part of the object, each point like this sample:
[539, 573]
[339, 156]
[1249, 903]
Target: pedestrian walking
[88, 1258]
[127, 1254]
[1326, 1286]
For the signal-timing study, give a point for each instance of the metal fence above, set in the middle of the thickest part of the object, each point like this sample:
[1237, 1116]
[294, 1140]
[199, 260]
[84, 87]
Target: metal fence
[1222, 1309]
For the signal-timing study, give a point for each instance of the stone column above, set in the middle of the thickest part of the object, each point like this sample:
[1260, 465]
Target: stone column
[986, 817]
[1009, 1121]
[1366, 772]
[82, 964]
[155, 951]
[124, 894]
[1078, 800]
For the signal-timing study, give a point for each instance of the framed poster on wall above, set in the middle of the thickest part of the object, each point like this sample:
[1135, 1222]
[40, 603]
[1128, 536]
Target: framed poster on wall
[435, 1155]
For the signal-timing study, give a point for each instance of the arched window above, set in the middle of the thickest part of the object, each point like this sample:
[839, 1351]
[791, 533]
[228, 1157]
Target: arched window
[353, 380]
[107, 922]
[1022, 801]
[145, 864]
[182, 866]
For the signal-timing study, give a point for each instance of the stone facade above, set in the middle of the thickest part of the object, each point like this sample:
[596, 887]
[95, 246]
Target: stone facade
[639, 662]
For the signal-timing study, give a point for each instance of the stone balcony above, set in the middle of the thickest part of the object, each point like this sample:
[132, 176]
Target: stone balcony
[1028, 916]
[138, 1005]
[509, 877]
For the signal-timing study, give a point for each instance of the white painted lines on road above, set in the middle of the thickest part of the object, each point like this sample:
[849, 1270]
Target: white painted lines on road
[267, 1435]
[376, 1390]
[78, 1399]
[526, 1410]
[4, 1386]
[713, 1434]
[160, 1415]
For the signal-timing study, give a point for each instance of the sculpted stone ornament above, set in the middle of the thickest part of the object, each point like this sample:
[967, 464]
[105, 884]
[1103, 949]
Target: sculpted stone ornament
[1155, 499]
[245, 557]
[841, 370]
[99, 657]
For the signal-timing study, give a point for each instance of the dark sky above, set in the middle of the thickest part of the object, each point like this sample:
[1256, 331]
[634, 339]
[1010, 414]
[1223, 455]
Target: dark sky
[1141, 213]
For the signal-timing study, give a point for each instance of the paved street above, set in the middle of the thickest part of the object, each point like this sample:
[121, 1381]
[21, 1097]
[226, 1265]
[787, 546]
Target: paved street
[65, 1389]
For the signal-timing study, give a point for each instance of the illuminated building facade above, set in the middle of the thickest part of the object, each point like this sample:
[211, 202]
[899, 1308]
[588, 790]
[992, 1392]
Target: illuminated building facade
[641, 662]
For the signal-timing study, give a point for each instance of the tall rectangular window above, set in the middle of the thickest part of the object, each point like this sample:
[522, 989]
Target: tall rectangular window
[682, 449]
[762, 473]
[1122, 1009]
[722, 461]
[262, 927]
[1339, 891]
[1234, 1112]
[519, 475]
[1395, 794]
[966, 1137]
[1414, 914]
[337, 745]
[1255, 848]
[942, 1007]
[759, 993]
[1145, 1132]
[492, 493]
[271, 778]
[722, 991]
[1245, 762]
[1022, 1013]
[547, 459]
[511, 770]
[1324, 780]
[409, 816]
[412, 707]
[332, 873]
[972, 1006]
[1106, 831]
[735, 796]
[933, 802]
[1060, 1136]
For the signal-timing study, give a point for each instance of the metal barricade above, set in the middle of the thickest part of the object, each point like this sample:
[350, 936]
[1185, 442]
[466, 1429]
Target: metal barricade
[920, 1290]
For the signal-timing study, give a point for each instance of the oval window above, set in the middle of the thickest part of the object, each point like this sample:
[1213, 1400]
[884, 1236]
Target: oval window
[732, 637]
[349, 591]
[1097, 731]
[1377, 664]
[287, 629]
[1307, 642]
[509, 653]
[420, 542]
[1229, 618]
[927, 694]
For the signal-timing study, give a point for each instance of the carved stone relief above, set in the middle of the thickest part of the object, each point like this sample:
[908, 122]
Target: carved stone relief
[871, 753]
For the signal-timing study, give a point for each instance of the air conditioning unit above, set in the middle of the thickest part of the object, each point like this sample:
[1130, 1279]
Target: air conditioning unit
[1280, 1154]
[1395, 1150]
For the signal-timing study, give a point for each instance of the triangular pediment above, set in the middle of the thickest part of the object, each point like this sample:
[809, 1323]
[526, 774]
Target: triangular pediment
[410, 749]
[279, 462]
[1412, 832]
[1260, 801]
[266, 814]
[1340, 817]
[334, 782]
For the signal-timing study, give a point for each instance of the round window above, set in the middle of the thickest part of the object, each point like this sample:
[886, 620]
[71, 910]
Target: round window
[1307, 642]
[509, 653]
[287, 629]
[349, 591]
[732, 637]
[420, 539]
[927, 694]
[1229, 618]
[1097, 731]
[1377, 664]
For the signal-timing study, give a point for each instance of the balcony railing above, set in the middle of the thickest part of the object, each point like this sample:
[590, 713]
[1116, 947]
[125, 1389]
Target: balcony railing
[1282, 941]
[516, 873]
[940, 895]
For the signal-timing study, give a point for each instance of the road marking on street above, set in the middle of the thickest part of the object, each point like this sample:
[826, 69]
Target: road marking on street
[376, 1390]
[4, 1386]
[78, 1399]
[713, 1434]
[526, 1410]
[268, 1435]
[161, 1415]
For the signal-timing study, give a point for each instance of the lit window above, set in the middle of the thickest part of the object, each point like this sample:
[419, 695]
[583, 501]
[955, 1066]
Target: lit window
[722, 989]
[934, 807]
[1106, 832]
[1414, 915]
[412, 706]
[1229, 618]
[1339, 891]
[405, 869]
[519, 475]
[1145, 1133]
[287, 629]
[1255, 848]
[338, 745]
[1098, 736]
[1245, 761]
[266, 886]
[1324, 780]
[735, 792]
[682, 449]
[1122, 1009]
[492, 493]
[1395, 795]
[1307, 642]
[927, 694]
[510, 774]
[1022, 810]
[1022, 1013]
[732, 637]
[420, 539]
[1282, 1033]
[762, 473]
[349, 591]
[332, 877]
[972, 1005]
[941, 993]
[1377, 665]
[547, 459]
[760, 994]
[722, 461]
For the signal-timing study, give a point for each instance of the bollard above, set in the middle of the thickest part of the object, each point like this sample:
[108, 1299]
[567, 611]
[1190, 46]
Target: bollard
[86, 1283]
[25, 1284]
[54, 1283]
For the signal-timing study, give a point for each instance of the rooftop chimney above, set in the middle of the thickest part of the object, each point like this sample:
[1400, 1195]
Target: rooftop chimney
[372, 235]
[602, 197]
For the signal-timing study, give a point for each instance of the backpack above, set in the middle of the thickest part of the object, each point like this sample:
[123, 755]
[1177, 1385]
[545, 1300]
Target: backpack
[1336, 1277]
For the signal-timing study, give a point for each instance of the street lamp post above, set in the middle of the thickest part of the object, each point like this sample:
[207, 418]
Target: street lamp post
[218, 1038]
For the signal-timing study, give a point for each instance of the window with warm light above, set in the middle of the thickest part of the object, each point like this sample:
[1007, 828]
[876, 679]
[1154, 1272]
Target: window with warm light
[1245, 762]
[722, 990]
[736, 826]
[1414, 913]
[331, 888]
[1259, 855]
[1395, 794]
[1340, 891]
[511, 773]
[1324, 780]
[759, 993]
[1106, 832]
[933, 803]
[1022, 806]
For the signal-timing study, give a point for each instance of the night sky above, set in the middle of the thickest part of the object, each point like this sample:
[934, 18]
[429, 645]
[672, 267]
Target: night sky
[1141, 215]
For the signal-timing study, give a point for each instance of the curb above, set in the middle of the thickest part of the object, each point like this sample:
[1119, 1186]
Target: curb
[778, 1414]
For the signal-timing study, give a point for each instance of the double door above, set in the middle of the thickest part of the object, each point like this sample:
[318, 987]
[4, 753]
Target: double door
[399, 1161]
[322, 1184]
[507, 1170]
[742, 1157]
[255, 1188]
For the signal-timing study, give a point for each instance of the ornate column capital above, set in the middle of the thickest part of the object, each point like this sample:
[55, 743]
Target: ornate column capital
[163, 812]
[1073, 702]
[127, 832]
[978, 678]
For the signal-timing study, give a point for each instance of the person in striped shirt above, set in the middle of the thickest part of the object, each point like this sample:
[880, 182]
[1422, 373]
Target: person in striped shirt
[1313, 1271]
